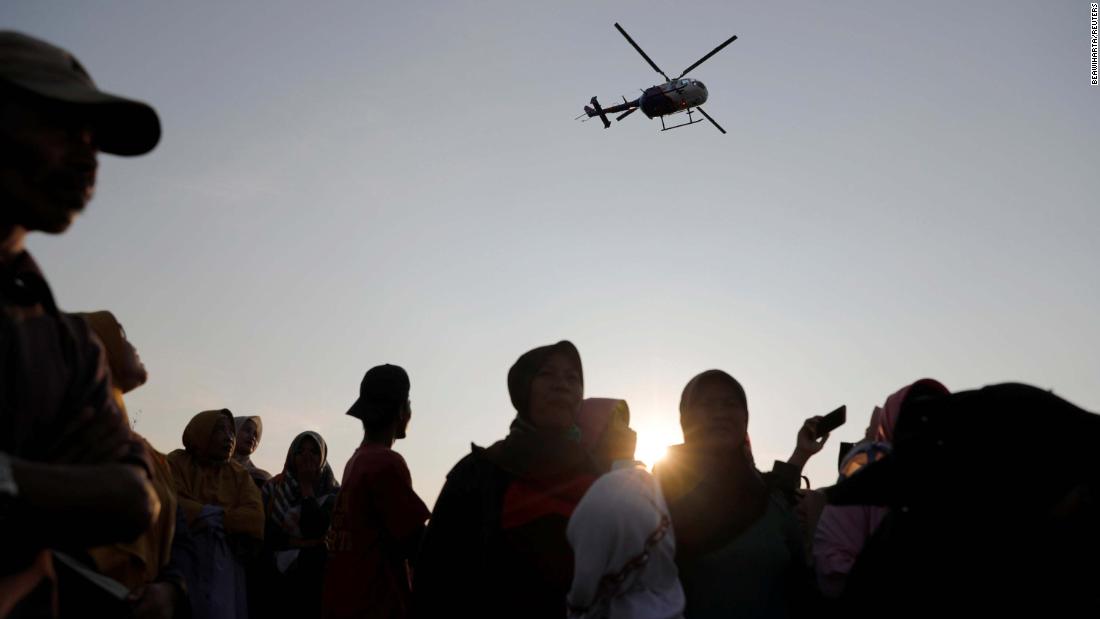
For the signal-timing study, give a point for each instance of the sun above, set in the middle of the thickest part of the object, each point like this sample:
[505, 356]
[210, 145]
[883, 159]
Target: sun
[653, 443]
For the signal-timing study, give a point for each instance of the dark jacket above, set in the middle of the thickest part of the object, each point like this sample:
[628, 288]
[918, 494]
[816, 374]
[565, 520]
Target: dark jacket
[739, 544]
[484, 560]
[994, 501]
[53, 379]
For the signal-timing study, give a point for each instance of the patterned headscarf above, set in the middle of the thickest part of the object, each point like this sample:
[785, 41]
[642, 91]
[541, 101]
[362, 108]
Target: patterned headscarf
[283, 494]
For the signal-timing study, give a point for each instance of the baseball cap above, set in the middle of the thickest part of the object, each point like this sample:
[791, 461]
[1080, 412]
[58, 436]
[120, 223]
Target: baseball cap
[122, 126]
[384, 389]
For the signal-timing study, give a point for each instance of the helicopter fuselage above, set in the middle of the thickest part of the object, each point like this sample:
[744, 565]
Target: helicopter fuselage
[672, 97]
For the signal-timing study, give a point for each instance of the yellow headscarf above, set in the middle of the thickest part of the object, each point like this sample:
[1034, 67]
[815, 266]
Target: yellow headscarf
[226, 484]
[140, 561]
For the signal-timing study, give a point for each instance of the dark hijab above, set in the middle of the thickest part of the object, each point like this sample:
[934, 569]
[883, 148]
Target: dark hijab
[712, 496]
[523, 372]
[530, 451]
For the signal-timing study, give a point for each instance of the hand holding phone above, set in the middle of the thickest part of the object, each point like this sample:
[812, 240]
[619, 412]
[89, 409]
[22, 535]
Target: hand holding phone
[813, 434]
[831, 422]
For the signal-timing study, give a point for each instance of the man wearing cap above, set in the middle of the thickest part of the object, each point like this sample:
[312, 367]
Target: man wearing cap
[72, 475]
[378, 519]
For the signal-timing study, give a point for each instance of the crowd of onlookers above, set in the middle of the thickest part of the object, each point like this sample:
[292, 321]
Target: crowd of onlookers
[978, 502]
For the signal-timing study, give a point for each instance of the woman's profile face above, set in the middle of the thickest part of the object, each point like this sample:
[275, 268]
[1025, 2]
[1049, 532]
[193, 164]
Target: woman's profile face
[556, 393]
[133, 373]
[222, 441]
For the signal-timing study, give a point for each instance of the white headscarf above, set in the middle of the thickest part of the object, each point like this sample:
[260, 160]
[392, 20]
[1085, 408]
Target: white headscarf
[622, 522]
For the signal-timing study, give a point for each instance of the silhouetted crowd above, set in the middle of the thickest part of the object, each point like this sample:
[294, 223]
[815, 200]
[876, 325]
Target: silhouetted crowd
[980, 502]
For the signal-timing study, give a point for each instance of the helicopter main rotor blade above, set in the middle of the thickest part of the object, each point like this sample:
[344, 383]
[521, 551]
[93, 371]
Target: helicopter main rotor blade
[707, 57]
[647, 59]
[711, 120]
[626, 113]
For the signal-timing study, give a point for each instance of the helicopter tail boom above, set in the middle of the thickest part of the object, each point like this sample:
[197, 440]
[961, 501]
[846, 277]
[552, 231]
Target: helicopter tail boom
[595, 109]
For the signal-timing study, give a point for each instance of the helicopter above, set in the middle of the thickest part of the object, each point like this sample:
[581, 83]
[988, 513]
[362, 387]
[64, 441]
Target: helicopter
[674, 96]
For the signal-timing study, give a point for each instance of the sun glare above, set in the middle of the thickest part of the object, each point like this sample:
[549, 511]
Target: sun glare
[653, 445]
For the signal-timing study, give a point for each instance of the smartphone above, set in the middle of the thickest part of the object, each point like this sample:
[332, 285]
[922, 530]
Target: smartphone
[832, 421]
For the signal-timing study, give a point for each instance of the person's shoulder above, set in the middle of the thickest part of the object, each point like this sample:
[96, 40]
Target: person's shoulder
[475, 470]
[621, 493]
[177, 455]
[237, 471]
[624, 481]
[241, 476]
[92, 354]
[24, 269]
[784, 477]
[160, 461]
[475, 461]
[80, 328]
[676, 467]
[632, 474]
[675, 457]
[380, 453]
[154, 453]
[179, 462]
[377, 460]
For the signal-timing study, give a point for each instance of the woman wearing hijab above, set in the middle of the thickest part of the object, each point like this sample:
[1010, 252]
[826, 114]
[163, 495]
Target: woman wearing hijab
[843, 530]
[604, 424]
[152, 567]
[621, 532]
[739, 547]
[224, 511]
[496, 543]
[299, 504]
[249, 430]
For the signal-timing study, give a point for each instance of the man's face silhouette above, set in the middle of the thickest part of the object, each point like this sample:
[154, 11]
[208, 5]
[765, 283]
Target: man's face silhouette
[48, 161]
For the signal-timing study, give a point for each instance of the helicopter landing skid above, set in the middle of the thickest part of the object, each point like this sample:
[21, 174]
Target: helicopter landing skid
[690, 121]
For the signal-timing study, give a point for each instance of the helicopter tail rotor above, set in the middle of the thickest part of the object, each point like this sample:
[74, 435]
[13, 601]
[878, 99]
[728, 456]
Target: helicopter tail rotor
[596, 110]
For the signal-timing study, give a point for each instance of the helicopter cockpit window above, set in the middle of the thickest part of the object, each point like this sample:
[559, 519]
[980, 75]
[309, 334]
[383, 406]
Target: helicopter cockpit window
[700, 85]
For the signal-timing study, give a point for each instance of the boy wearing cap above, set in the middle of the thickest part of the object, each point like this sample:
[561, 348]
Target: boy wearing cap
[72, 475]
[378, 519]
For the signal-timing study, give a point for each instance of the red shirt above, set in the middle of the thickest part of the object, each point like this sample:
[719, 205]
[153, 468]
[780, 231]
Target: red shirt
[377, 515]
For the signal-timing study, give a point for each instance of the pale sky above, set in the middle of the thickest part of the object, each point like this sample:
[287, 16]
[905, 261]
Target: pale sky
[907, 189]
